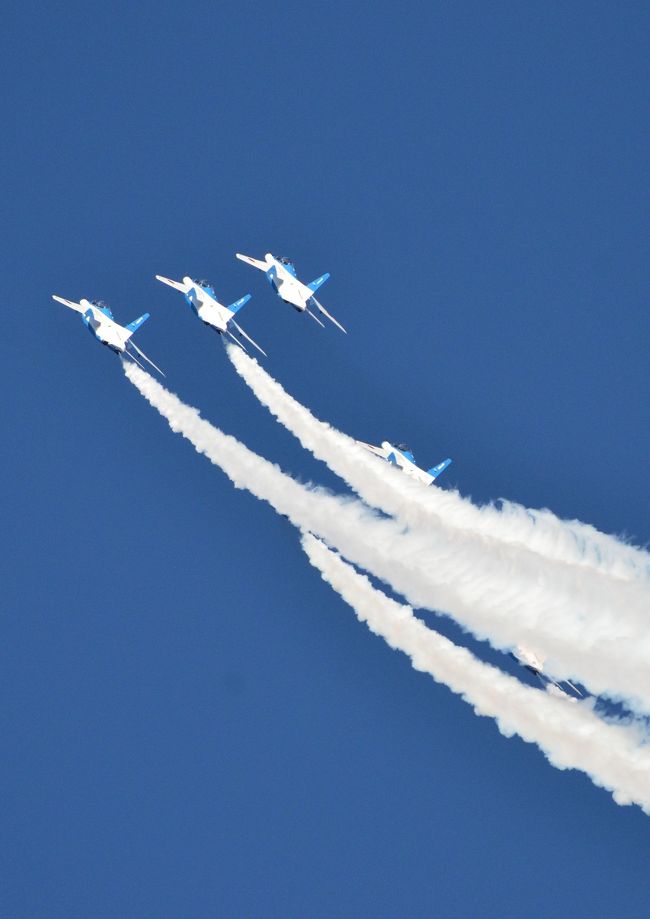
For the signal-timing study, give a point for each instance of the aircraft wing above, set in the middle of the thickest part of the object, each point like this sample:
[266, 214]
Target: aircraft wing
[73, 306]
[177, 285]
[376, 450]
[331, 318]
[255, 262]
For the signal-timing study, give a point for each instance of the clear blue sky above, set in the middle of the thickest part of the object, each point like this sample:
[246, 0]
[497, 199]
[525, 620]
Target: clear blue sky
[193, 724]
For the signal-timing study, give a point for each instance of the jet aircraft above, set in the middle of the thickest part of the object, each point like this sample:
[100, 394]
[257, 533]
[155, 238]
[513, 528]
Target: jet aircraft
[98, 319]
[532, 662]
[281, 275]
[203, 302]
[400, 455]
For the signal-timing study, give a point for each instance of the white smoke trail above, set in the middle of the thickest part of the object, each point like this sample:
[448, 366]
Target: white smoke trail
[434, 572]
[581, 598]
[570, 734]
[396, 494]
[620, 763]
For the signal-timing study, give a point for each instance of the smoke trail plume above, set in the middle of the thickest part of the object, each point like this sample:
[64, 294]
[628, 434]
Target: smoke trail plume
[559, 581]
[396, 494]
[434, 571]
[570, 734]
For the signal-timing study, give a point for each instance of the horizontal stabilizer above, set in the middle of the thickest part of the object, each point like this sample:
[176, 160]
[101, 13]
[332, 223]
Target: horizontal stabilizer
[132, 357]
[143, 355]
[248, 338]
[435, 471]
[574, 688]
[329, 316]
[314, 317]
[177, 285]
[235, 307]
[236, 341]
[135, 325]
[314, 285]
[255, 262]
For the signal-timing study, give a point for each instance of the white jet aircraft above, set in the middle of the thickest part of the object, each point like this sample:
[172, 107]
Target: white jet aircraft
[532, 662]
[98, 319]
[203, 302]
[400, 455]
[282, 278]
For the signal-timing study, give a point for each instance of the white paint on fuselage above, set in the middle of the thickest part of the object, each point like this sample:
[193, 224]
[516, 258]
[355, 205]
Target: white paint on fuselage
[104, 328]
[209, 310]
[554, 690]
[405, 464]
[387, 450]
[290, 289]
[529, 658]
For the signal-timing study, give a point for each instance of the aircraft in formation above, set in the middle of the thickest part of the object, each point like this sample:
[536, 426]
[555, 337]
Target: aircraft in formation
[98, 319]
[281, 274]
[400, 455]
[203, 301]
[532, 662]
[200, 295]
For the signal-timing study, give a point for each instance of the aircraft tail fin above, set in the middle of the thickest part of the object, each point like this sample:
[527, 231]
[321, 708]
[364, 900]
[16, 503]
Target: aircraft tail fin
[314, 285]
[435, 471]
[235, 307]
[135, 325]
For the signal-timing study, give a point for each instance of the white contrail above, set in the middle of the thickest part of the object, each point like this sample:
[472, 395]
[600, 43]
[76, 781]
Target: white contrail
[555, 592]
[436, 572]
[619, 764]
[570, 734]
[396, 494]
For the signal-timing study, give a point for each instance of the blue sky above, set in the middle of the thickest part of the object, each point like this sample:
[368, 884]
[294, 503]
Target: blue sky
[194, 724]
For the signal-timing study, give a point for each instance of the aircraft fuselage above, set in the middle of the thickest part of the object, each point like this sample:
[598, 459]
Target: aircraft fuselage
[100, 323]
[405, 460]
[284, 282]
[205, 305]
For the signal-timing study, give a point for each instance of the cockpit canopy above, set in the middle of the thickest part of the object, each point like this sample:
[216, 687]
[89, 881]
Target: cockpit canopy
[103, 306]
[203, 283]
[403, 447]
[288, 264]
